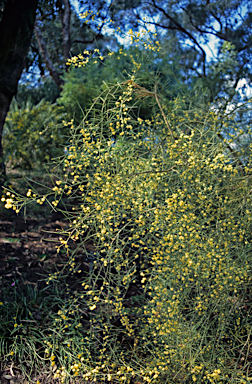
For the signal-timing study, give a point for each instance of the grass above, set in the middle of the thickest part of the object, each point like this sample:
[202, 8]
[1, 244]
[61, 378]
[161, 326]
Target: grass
[25, 319]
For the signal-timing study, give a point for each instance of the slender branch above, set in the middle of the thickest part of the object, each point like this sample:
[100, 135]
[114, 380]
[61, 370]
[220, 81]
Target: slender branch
[180, 28]
[232, 152]
[197, 28]
[159, 171]
[97, 37]
[163, 114]
[143, 92]
[218, 19]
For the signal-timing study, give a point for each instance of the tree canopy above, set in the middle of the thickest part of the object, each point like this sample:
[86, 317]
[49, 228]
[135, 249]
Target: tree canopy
[186, 27]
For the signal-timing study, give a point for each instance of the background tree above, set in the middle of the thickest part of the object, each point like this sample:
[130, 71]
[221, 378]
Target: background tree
[50, 46]
[16, 26]
[59, 33]
[186, 27]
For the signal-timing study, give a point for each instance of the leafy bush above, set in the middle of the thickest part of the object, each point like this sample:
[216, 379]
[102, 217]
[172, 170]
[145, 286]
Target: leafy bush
[33, 134]
[166, 295]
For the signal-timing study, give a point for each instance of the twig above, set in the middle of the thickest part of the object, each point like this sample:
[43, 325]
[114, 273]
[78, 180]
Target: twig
[164, 117]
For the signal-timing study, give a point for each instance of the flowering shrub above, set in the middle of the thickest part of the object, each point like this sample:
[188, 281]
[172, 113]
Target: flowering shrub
[168, 210]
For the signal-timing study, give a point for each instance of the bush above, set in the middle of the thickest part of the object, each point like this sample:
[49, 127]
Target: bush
[165, 298]
[33, 134]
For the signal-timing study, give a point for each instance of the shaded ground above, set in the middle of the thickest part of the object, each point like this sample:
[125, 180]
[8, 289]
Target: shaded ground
[27, 253]
[27, 249]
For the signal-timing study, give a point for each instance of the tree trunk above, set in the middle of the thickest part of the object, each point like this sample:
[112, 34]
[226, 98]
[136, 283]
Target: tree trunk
[66, 29]
[44, 53]
[16, 28]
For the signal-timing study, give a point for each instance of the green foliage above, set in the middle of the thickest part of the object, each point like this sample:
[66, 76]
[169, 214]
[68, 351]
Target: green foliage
[33, 134]
[78, 92]
[221, 72]
[46, 90]
[172, 236]
[83, 84]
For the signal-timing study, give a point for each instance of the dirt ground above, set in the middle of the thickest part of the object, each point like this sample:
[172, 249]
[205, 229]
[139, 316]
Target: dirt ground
[27, 249]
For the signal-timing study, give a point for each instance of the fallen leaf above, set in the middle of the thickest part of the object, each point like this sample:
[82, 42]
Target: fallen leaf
[32, 234]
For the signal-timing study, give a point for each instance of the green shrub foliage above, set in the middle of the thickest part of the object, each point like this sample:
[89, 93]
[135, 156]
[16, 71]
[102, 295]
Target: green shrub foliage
[33, 134]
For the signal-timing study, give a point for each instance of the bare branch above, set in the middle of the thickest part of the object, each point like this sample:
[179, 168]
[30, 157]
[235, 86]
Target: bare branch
[78, 41]
[179, 27]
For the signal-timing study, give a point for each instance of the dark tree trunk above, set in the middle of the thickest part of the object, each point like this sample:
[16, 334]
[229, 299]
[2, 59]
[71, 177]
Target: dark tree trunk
[16, 28]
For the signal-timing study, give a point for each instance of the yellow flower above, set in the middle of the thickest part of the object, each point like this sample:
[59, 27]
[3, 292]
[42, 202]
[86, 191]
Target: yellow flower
[8, 203]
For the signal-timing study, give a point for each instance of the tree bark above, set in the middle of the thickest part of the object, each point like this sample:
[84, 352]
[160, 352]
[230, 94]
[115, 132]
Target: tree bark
[49, 64]
[16, 28]
[66, 29]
